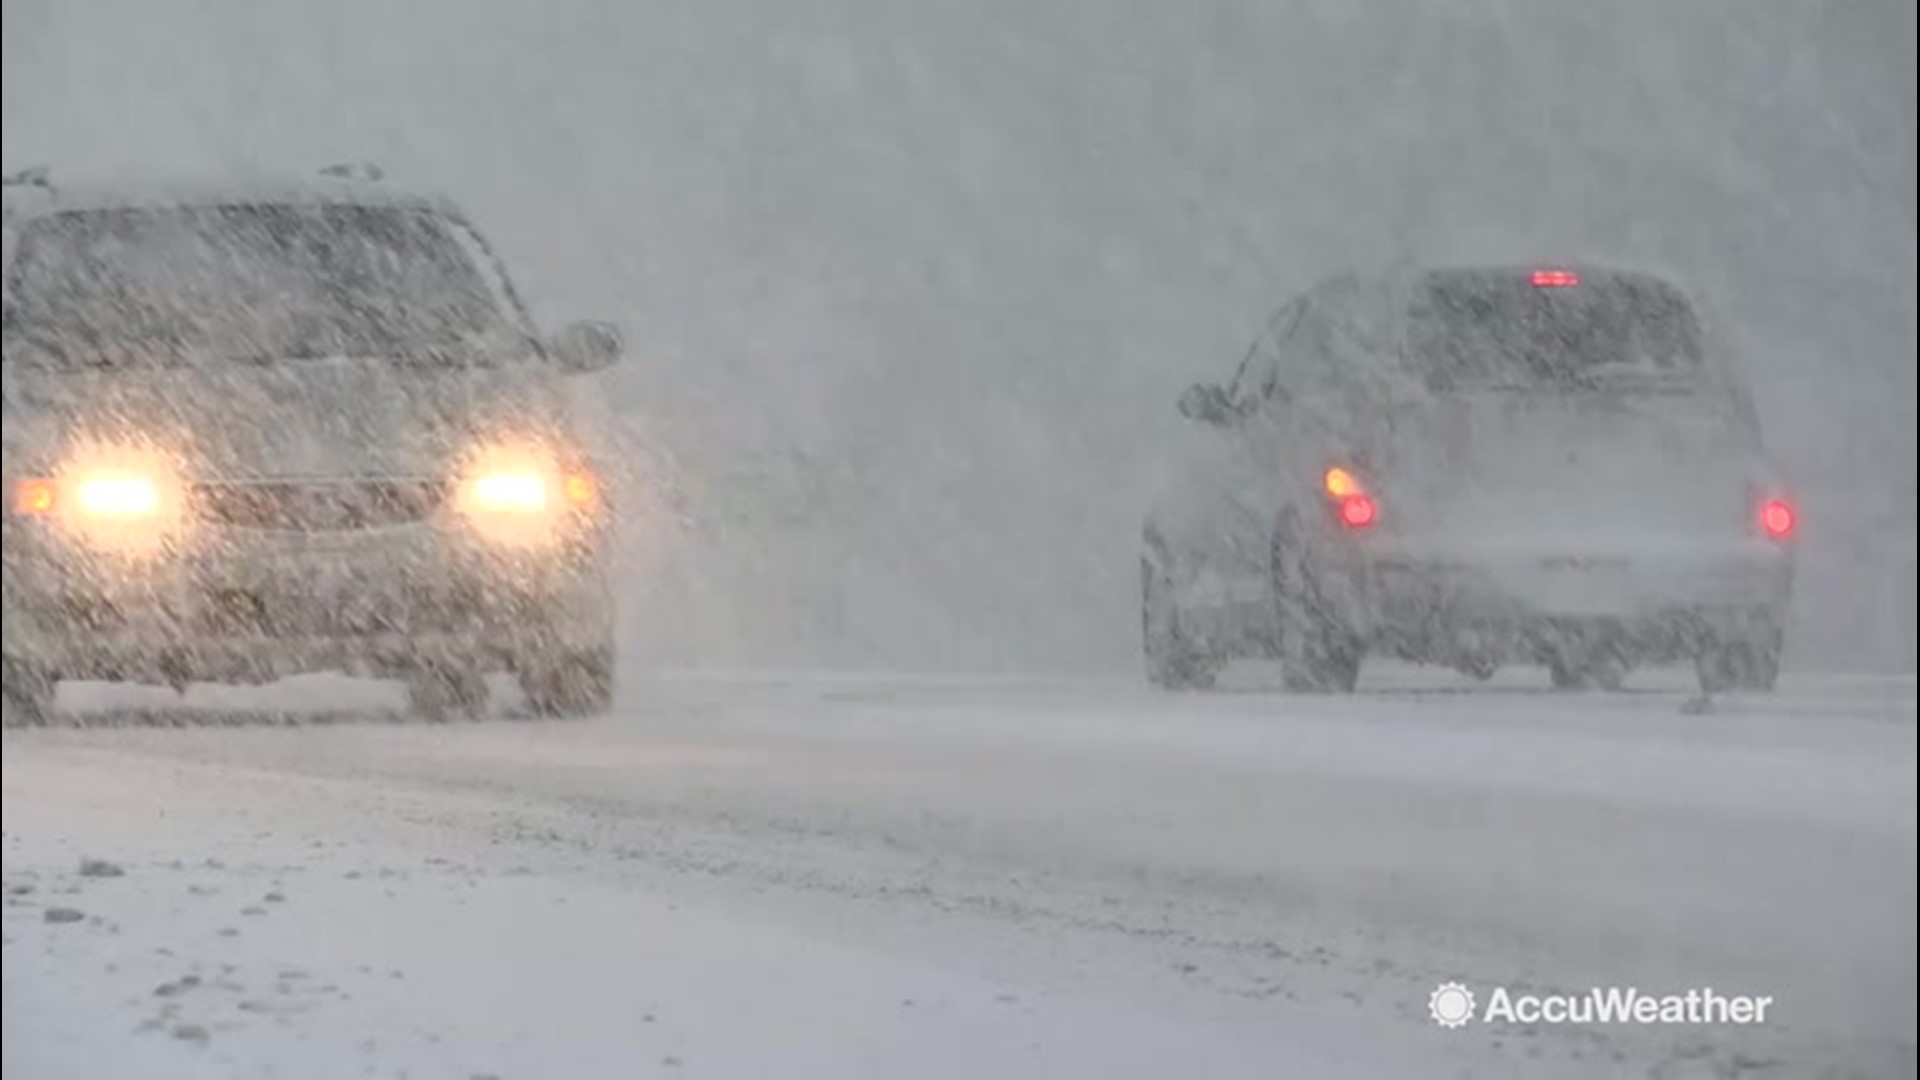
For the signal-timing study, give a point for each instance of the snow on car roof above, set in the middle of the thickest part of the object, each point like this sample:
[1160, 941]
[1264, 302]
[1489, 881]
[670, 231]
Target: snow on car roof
[85, 195]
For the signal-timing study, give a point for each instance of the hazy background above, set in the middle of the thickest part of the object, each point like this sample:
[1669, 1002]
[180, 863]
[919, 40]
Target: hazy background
[910, 287]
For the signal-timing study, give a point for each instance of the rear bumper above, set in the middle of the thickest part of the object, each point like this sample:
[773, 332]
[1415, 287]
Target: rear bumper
[1426, 602]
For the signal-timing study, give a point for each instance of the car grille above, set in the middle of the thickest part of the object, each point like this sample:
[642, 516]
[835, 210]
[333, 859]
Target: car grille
[289, 613]
[325, 506]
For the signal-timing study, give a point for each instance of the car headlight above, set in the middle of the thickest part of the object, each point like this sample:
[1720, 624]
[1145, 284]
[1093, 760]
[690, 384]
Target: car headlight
[92, 495]
[121, 500]
[509, 492]
[111, 496]
[524, 497]
[530, 492]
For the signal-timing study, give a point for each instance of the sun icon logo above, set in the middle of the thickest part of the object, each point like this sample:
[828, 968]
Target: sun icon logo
[1451, 1005]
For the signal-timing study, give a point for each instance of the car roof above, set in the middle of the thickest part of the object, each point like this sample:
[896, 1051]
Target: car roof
[1580, 270]
[1408, 274]
[25, 203]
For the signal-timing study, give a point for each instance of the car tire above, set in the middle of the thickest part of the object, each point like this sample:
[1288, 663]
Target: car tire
[571, 686]
[1761, 669]
[1173, 662]
[1741, 664]
[26, 692]
[1318, 655]
[1762, 672]
[1605, 671]
[440, 694]
[1566, 676]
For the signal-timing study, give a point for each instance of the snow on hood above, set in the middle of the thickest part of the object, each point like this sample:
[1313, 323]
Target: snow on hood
[327, 417]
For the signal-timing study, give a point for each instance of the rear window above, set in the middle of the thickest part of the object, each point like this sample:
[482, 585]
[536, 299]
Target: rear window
[1526, 329]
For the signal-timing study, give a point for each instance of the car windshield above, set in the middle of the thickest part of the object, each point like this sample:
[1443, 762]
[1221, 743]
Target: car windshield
[1551, 329]
[247, 282]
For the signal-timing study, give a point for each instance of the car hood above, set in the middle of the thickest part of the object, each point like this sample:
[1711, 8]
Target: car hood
[327, 417]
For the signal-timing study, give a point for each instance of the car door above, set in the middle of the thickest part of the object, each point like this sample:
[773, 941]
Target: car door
[1220, 511]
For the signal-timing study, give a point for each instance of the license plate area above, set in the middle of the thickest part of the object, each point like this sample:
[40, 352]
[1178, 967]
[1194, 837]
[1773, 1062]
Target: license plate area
[1583, 585]
[290, 612]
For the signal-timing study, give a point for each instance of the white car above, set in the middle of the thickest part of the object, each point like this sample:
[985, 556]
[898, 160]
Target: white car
[1474, 467]
[253, 431]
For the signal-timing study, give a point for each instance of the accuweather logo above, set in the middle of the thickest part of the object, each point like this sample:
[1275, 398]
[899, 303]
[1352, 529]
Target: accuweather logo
[1452, 1005]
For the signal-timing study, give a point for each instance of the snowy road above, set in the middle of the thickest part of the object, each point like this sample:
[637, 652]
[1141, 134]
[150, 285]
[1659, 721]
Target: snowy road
[818, 875]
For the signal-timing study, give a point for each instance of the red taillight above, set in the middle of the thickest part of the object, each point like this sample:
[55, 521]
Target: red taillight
[1351, 503]
[1555, 279]
[1777, 519]
[1357, 511]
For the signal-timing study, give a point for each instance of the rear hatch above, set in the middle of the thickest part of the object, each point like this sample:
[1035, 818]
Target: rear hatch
[1566, 413]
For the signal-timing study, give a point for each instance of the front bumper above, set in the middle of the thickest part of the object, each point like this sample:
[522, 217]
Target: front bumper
[257, 609]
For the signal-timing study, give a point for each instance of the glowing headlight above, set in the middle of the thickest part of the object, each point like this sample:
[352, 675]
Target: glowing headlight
[116, 496]
[523, 496]
[120, 498]
[513, 492]
[527, 491]
[92, 496]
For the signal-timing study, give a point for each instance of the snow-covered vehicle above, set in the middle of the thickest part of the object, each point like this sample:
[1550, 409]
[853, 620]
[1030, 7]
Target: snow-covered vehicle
[1474, 467]
[259, 430]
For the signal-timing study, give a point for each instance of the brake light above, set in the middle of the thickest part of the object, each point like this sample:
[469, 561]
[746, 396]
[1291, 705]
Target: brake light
[1555, 279]
[1357, 511]
[1777, 519]
[1351, 503]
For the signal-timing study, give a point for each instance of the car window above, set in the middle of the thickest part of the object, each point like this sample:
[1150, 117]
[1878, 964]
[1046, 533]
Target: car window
[248, 281]
[1317, 347]
[1558, 329]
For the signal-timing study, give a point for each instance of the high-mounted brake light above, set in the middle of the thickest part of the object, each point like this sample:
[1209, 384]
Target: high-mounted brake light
[1555, 279]
[1777, 519]
[1351, 503]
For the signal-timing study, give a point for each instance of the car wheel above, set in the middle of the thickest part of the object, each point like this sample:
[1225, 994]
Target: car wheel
[1762, 672]
[1566, 675]
[572, 686]
[1480, 668]
[1173, 663]
[443, 693]
[1585, 670]
[1608, 673]
[1760, 665]
[1318, 655]
[26, 692]
[1742, 664]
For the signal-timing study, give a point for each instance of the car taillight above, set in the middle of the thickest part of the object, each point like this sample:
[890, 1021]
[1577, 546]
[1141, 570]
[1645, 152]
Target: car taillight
[1555, 279]
[1357, 511]
[1777, 519]
[1352, 504]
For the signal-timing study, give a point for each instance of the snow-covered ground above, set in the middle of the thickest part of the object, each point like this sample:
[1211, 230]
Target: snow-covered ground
[803, 874]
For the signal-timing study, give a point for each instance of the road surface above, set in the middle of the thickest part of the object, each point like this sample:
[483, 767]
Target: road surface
[749, 875]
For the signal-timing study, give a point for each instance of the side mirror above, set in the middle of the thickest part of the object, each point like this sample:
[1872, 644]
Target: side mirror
[586, 347]
[1207, 404]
